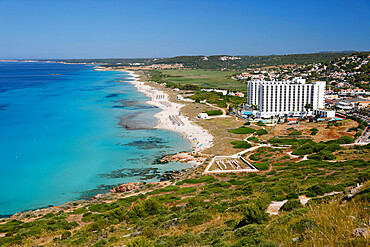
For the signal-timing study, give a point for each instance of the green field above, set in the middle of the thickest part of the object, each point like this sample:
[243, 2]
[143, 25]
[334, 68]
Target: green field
[204, 78]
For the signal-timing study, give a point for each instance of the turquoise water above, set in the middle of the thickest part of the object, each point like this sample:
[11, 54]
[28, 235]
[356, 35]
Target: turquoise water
[74, 134]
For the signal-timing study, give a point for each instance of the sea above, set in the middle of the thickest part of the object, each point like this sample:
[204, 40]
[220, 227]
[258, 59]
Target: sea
[68, 132]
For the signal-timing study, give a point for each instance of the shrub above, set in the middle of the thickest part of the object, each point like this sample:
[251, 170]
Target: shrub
[345, 140]
[295, 133]
[140, 242]
[247, 123]
[66, 234]
[221, 104]
[254, 157]
[333, 147]
[261, 132]
[214, 112]
[255, 212]
[203, 179]
[241, 144]
[186, 190]
[248, 230]
[306, 148]
[318, 189]
[242, 130]
[197, 216]
[292, 195]
[291, 205]
[165, 189]
[262, 166]
[249, 189]
[193, 202]
[144, 208]
[303, 225]
[253, 139]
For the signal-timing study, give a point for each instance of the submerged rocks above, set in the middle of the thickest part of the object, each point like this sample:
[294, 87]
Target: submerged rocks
[169, 175]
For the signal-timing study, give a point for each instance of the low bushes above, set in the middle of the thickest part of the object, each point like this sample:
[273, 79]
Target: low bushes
[214, 112]
[314, 131]
[241, 144]
[291, 205]
[295, 133]
[261, 132]
[165, 189]
[253, 139]
[345, 140]
[242, 130]
[262, 166]
[318, 190]
[197, 216]
[145, 208]
[186, 190]
[203, 179]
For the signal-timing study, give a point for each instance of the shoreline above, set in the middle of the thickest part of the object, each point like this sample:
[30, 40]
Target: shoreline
[199, 138]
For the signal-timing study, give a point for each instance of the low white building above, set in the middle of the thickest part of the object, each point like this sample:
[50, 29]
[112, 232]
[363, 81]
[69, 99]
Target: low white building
[224, 92]
[203, 115]
[324, 113]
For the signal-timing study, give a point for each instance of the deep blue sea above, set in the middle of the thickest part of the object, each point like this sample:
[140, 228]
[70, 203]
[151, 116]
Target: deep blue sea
[68, 132]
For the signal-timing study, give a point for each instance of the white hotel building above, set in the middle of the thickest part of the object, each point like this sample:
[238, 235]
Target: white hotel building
[277, 98]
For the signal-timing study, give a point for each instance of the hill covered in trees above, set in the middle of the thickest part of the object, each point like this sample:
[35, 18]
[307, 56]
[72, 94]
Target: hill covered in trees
[218, 61]
[242, 62]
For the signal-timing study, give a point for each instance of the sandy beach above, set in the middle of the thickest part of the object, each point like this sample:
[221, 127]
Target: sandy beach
[170, 117]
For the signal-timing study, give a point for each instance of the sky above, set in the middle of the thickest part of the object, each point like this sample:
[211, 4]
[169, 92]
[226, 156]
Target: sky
[43, 29]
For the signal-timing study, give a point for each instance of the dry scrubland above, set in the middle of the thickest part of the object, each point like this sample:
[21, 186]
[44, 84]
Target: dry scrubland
[324, 134]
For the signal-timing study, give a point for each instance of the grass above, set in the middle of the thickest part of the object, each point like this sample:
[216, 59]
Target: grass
[330, 224]
[204, 78]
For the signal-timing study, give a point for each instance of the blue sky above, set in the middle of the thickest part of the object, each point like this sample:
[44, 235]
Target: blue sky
[119, 28]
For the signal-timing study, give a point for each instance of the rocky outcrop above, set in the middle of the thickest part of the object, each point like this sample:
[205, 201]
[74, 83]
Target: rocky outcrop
[361, 232]
[183, 157]
[125, 187]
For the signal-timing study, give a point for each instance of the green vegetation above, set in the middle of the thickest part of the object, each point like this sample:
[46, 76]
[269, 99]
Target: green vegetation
[261, 132]
[361, 125]
[253, 139]
[202, 79]
[242, 130]
[295, 133]
[262, 166]
[214, 62]
[214, 112]
[291, 205]
[314, 131]
[217, 98]
[241, 144]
